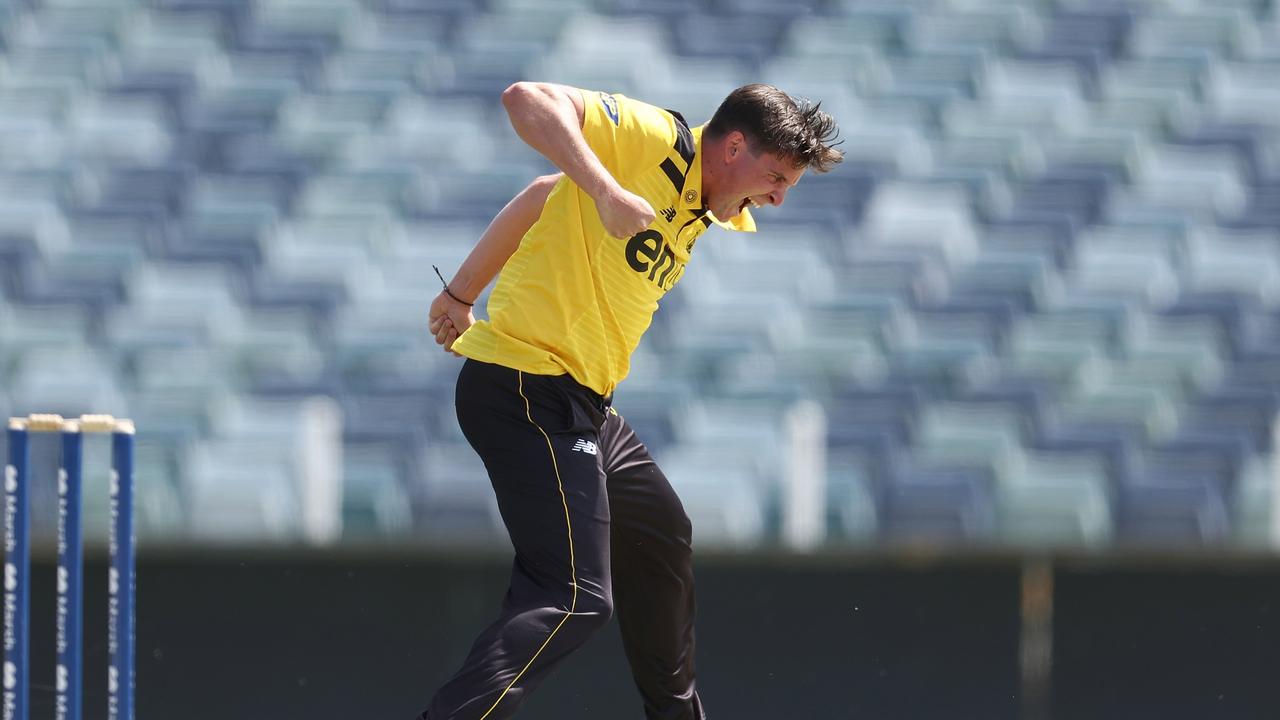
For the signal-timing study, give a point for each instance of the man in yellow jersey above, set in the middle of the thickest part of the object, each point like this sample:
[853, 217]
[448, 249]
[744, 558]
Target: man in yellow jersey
[585, 255]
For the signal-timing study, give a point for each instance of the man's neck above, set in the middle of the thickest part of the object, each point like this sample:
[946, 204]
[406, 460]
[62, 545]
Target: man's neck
[711, 149]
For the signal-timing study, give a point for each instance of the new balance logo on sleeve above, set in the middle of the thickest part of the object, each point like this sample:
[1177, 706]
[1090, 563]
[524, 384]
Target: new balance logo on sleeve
[585, 446]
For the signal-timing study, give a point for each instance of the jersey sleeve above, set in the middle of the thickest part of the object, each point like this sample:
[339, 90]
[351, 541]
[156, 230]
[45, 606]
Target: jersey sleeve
[627, 135]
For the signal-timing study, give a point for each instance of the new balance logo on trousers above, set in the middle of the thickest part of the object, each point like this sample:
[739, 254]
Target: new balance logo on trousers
[585, 446]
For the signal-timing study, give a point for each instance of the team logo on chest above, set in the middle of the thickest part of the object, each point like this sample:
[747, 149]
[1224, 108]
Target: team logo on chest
[669, 214]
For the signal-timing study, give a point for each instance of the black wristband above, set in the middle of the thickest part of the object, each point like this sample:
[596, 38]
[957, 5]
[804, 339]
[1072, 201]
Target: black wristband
[449, 292]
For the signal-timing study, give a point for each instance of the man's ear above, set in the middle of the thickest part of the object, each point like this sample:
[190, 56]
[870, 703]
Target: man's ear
[735, 143]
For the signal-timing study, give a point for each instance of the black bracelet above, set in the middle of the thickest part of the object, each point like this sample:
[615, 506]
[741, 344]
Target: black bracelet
[449, 292]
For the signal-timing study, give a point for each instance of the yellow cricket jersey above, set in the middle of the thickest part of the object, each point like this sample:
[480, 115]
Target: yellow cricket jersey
[574, 299]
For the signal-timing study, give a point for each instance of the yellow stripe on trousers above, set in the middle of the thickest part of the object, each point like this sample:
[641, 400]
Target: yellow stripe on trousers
[573, 572]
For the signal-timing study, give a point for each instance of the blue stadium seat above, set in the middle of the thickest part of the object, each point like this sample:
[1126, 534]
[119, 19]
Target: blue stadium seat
[892, 408]
[375, 501]
[1263, 207]
[1030, 399]
[941, 504]
[721, 491]
[66, 379]
[162, 186]
[1246, 141]
[881, 282]
[94, 280]
[908, 215]
[388, 421]
[1201, 31]
[941, 365]
[1022, 279]
[994, 29]
[1172, 512]
[380, 71]
[853, 506]
[1077, 194]
[241, 491]
[1098, 34]
[1253, 505]
[144, 226]
[1119, 446]
[746, 39]
[858, 38]
[1257, 372]
[978, 435]
[1056, 499]
[29, 327]
[313, 26]
[1239, 318]
[1053, 230]
[174, 420]
[649, 414]
[454, 504]
[1241, 93]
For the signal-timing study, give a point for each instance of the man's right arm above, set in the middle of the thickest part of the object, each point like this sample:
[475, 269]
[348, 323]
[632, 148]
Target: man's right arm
[449, 318]
[549, 119]
[500, 240]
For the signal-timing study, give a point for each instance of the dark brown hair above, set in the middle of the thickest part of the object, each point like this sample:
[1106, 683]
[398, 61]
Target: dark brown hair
[775, 122]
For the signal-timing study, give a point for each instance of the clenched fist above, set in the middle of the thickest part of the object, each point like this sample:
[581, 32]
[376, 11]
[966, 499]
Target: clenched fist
[623, 213]
[448, 319]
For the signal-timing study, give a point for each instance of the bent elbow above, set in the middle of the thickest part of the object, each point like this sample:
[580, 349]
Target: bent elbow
[540, 189]
[517, 95]
[548, 181]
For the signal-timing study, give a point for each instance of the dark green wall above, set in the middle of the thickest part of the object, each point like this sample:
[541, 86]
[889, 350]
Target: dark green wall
[369, 634]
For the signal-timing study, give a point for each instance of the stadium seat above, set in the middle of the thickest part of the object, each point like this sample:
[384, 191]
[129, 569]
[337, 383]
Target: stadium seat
[914, 216]
[1062, 350]
[1056, 499]
[241, 491]
[1024, 279]
[940, 505]
[66, 381]
[26, 328]
[1165, 513]
[1242, 92]
[629, 56]
[942, 365]
[720, 489]
[1215, 32]
[853, 509]
[1244, 262]
[378, 71]
[1146, 279]
[455, 503]
[1253, 508]
[374, 501]
[978, 435]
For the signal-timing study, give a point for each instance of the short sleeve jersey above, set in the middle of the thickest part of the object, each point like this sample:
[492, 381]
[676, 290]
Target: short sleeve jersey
[572, 299]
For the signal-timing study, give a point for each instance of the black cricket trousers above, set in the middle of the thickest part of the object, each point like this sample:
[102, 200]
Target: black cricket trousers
[597, 529]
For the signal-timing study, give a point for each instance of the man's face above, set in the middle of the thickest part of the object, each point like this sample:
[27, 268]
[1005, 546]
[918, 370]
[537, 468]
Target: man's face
[751, 178]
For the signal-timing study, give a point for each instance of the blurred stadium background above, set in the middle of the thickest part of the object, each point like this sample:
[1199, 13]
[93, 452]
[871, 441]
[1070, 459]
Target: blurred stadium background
[1034, 312]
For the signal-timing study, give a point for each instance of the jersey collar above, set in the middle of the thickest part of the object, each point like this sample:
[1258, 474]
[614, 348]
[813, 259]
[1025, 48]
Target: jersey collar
[691, 198]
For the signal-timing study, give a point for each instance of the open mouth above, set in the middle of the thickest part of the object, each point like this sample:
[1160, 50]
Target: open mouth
[747, 202]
